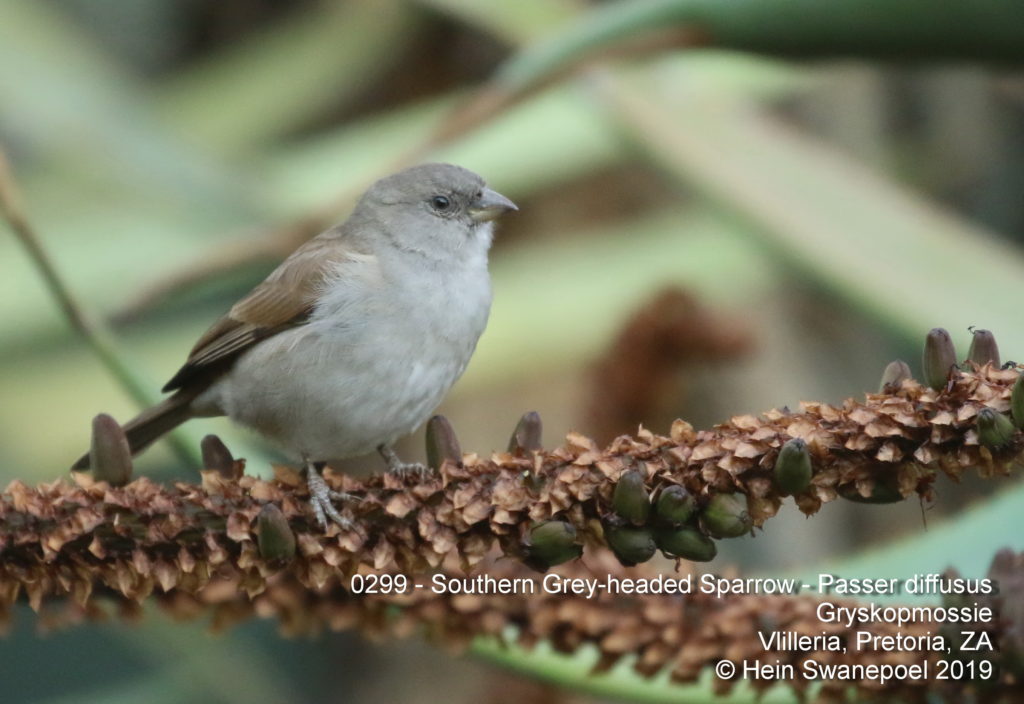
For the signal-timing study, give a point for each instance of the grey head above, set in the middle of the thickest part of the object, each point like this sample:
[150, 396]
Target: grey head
[436, 210]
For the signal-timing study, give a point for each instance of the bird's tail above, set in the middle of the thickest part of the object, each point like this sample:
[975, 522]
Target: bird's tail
[144, 429]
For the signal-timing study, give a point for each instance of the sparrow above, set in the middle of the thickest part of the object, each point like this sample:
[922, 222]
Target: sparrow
[355, 339]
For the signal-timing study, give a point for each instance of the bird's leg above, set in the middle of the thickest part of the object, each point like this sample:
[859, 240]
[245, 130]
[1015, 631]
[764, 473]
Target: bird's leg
[396, 466]
[321, 495]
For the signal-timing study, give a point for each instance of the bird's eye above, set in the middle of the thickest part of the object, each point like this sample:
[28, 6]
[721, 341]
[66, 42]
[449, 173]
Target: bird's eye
[441, 203]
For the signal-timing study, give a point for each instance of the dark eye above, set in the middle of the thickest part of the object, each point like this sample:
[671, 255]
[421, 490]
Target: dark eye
[441, 203]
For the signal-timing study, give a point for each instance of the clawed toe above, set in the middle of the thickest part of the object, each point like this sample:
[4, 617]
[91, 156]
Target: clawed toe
[320, 500]
[401, 469]
[324, 509]
[414, 470]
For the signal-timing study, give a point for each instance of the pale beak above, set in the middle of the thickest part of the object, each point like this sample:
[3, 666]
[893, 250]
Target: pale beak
[489, 206]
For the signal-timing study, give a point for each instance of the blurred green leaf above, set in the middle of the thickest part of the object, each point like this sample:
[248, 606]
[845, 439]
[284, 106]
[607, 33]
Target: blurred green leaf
[556, 304]
[889, 253]
[286, 76]
[186, 664]
[911, 29]
[515, 21]
[60, 93]
[621, 683]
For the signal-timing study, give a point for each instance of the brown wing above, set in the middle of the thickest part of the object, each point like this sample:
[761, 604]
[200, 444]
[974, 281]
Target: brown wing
[284, 300]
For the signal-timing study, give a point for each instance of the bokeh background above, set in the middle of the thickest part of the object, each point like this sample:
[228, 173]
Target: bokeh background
[701, 233]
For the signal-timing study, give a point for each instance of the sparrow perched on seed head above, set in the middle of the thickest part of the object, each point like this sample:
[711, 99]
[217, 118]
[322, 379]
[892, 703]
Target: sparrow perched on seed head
[355, 338]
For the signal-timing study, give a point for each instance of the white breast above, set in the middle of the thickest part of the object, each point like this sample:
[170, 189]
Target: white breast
[373, 363]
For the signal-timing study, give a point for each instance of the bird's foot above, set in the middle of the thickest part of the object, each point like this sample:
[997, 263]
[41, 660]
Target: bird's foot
[413, 469]
[402, 469]
[321, 497]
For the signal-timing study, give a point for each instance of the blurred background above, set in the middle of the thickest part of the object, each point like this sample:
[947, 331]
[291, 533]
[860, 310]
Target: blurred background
[701, 233]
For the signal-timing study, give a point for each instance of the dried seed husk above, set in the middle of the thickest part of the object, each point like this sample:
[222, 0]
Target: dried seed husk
[687, 543]
[994, 429]
[793, 469]
[631, 545]
[726, 516]
[675, 506]
[939, 358]
[630, 499]
[881, 493]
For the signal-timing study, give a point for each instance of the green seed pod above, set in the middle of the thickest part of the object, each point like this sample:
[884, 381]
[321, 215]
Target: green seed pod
[896, 372]
[881, 493]
[1017, 402]
[527, 435]
[631, 545]
[675, 506]
[441, 443]
[939, 358]
[984, 349]
[688, 543]
[725, 516]
[793, 467]
[994, 429]
[552, 543]
[274, 537]
[109, 455]
[630, 499]
[217, 456]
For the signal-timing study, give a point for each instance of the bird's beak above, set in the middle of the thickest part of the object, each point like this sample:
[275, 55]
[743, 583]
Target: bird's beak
[489, 206]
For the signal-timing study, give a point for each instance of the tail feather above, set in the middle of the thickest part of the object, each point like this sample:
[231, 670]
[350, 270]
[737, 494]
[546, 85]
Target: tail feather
[144, 429]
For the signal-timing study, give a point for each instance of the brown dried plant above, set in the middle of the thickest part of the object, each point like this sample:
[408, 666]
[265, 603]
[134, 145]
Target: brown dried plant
[639, 375]
[237, 546]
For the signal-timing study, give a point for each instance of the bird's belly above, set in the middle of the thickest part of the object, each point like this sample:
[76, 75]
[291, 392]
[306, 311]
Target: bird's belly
[328, 394]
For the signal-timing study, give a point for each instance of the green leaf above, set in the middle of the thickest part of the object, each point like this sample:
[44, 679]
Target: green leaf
[283, 78]
[885, 251]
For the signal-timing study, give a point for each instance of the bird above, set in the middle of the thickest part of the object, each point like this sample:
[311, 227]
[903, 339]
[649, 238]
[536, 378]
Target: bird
[355, 338]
